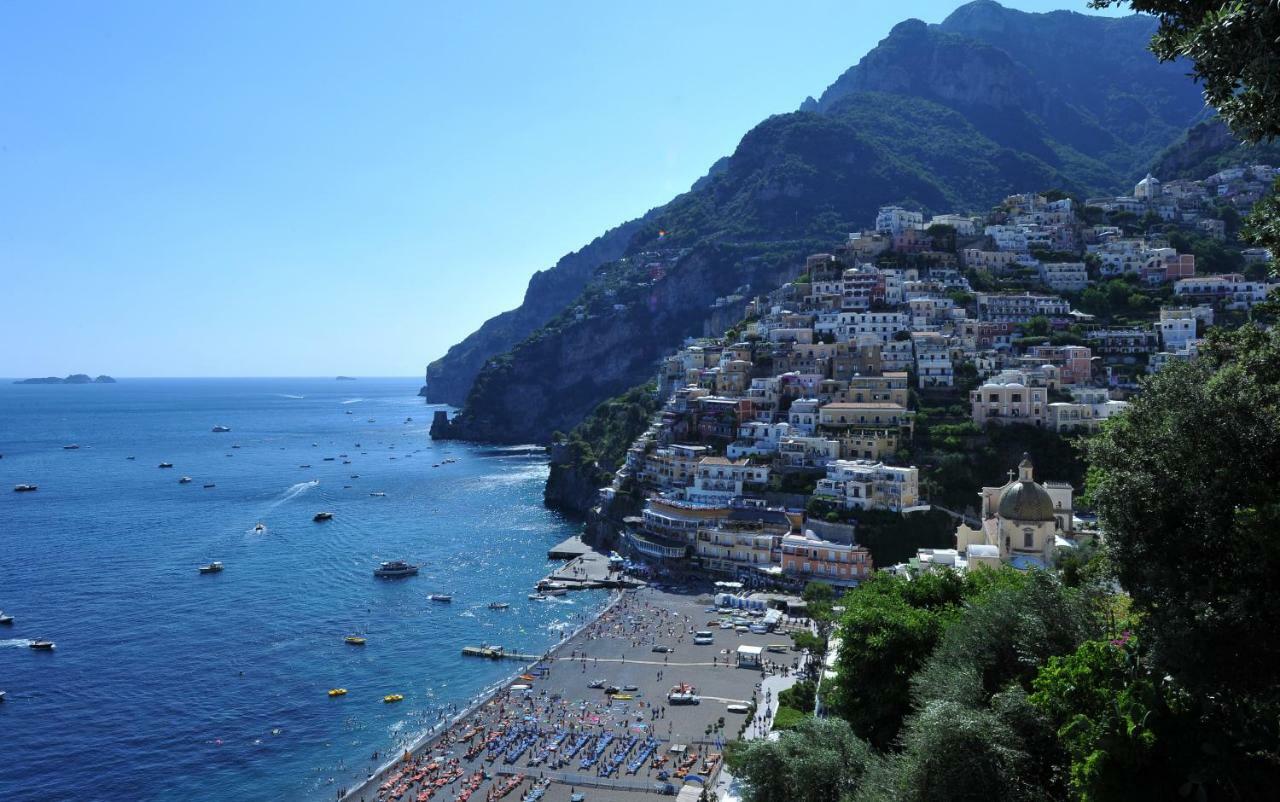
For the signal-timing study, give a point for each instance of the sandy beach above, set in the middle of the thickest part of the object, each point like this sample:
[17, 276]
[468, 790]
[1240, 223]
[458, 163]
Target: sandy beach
[547, 735]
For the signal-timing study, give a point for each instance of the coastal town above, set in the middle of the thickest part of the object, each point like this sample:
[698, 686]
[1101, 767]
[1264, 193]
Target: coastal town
[838, 400]
[831, 433]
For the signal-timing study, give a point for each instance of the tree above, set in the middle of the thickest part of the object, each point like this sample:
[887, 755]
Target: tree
[820, 760]
[1184, 483]
[889, 628]
[1113, 717]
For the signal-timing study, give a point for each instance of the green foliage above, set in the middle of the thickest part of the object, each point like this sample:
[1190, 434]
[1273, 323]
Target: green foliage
[1107, 708]
[788, 718]
[1168, 500]
[1262, 227]
[889, 628]
[800, 696]
[1232, 48]
[820, 760]
[607, 433]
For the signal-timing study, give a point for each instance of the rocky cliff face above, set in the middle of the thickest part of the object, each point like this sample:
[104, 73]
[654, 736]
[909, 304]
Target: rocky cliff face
[943, 118]
[449, 378]
[550, 382]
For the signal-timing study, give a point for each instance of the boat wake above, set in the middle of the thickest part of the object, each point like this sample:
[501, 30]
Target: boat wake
[352, 401]
[290, 395]
[15, 643]
[294, 492]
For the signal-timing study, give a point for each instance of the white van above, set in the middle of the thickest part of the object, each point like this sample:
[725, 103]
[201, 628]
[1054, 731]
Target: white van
[703, 637]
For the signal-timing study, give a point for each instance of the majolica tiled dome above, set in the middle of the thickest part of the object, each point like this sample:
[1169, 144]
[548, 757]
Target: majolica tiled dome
[1024, 500]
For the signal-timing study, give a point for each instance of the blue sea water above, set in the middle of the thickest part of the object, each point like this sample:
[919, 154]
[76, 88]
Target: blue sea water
[168, 684]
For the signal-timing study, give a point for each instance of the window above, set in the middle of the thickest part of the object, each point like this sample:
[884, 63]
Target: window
[1028, 539]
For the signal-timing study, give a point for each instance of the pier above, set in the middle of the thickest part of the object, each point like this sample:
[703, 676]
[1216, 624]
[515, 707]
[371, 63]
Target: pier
[497, 653]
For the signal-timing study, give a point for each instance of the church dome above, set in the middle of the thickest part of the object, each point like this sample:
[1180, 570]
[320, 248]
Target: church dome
[1026, 501]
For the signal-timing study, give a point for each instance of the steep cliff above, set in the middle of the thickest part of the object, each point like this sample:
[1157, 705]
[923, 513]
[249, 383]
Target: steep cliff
[449, 378]
[554, 378]
[1208, 148]
[943, 118]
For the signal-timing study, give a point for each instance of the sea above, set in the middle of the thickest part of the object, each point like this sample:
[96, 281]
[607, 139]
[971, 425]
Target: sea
[168, 684]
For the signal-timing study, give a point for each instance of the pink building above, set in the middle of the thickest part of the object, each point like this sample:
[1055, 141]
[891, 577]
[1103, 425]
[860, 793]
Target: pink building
[1074, 362]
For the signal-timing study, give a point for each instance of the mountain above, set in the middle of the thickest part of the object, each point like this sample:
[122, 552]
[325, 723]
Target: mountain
[948, 117]
[1208, 148]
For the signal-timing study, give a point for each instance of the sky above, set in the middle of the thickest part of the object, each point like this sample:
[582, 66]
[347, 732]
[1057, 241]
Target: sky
[321, 188]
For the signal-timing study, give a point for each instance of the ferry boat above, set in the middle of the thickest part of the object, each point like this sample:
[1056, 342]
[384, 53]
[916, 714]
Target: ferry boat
[354, 640]
[221, 428]
[440, 597]
[393, 569]
[322, 516]
[24, 488]
[212, 568]
[42, 645]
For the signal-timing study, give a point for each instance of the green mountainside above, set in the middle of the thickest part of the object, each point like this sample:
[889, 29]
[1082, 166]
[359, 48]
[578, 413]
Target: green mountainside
[944, 118]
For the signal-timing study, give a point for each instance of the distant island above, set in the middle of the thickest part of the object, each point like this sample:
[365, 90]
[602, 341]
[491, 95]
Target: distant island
[74, 378]
[346, 378]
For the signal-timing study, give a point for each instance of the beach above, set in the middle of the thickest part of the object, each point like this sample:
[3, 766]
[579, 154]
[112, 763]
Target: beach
[546, 734]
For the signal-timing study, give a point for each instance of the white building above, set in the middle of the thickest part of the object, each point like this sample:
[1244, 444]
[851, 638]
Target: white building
[1085, 412]
[895, 220]
[1065, 276]
[866, 485]
[719, 480]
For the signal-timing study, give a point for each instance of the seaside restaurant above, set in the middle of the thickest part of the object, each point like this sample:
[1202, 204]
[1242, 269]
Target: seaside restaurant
[749, 656]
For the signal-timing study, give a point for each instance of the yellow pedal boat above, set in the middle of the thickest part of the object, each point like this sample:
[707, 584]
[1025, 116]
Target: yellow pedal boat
[393, 697]
[337, 691]
[354, 640]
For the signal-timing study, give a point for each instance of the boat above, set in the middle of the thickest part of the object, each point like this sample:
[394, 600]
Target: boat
[261, 527]
[130, 457]
[393, 697]
[304, 466]
[211, 484]
[24, 488]
[236, 445]
[498, 605]
[211, 568]
[378, 493]
[1, 696]
[221, 428]
[42, 645]
[166, 465]
[337, 692]
[71, 447]
[393, 569]
[6, 619]
[322, 516]
[354, 640]
[328, 459]
[440, 597]
[537, 597]
[186, 480]
[555, 592]
[346, 462]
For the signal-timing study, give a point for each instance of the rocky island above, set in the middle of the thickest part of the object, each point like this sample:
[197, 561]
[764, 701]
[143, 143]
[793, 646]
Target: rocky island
[74, 378]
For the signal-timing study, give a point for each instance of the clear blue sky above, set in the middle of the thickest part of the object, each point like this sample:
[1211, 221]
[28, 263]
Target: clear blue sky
[313, 188]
